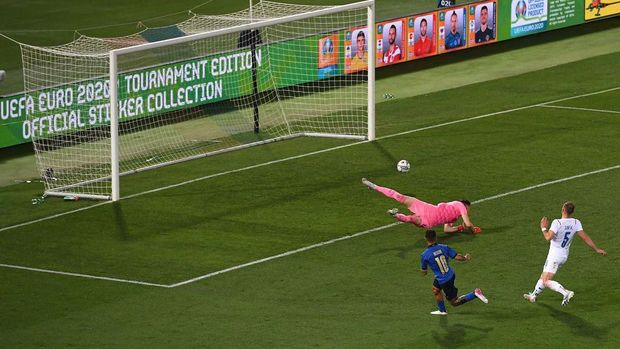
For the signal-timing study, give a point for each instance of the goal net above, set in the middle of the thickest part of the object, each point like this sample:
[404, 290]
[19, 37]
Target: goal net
[114, 106]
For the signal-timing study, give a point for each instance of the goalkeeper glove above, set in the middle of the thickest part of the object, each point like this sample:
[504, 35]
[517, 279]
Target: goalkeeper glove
[476, 230]
[392, 211]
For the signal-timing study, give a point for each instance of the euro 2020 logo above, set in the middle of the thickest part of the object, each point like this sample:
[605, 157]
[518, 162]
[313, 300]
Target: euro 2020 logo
[521, 9]
[328, 47]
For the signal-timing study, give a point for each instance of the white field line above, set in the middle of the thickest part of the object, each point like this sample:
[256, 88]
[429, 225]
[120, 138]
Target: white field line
[302, 249]
[583, 109]
[54, 216]
[346, 237]
[307, 154]
[547, 183]
[10, 266]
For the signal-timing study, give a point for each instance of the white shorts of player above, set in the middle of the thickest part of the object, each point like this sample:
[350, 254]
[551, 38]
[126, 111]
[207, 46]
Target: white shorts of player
[554, 262]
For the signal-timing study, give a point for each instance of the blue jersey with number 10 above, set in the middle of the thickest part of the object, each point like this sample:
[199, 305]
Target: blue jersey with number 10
[437, 256]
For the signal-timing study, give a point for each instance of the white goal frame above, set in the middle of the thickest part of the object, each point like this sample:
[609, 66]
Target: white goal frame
[115, 54]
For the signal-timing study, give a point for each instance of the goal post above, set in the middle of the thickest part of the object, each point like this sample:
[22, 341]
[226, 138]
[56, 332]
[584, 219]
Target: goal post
[372, 62]
[114, 142]
[203, 92]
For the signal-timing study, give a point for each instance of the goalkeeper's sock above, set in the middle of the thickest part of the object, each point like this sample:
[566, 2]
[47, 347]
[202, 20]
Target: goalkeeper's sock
[441, 305]
[391, 193]
[540, 286]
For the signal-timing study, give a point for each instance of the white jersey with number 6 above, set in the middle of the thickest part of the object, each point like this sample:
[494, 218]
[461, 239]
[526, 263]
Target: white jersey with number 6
[565, 230]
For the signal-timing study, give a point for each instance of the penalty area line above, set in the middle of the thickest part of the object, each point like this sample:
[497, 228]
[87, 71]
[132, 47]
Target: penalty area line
[284, 254]
[86, 276]
[581, 109]
[308, 154]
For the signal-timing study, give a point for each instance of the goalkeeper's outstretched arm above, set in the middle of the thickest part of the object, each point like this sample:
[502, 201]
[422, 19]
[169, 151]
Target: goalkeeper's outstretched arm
[467, 224]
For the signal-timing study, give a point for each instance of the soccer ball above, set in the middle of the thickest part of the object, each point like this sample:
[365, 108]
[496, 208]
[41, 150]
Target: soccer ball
[403, 166]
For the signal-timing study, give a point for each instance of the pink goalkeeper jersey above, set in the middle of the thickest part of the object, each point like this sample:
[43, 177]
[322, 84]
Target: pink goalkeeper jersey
[442, 213]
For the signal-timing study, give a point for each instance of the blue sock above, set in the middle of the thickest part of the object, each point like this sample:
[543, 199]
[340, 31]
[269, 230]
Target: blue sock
[468, 297]
[441, 305]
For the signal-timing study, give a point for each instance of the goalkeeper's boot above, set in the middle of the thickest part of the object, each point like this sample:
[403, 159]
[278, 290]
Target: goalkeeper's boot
[369, 184]
[392, 211]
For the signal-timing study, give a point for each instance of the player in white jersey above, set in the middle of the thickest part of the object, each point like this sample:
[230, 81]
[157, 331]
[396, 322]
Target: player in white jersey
[560, 236]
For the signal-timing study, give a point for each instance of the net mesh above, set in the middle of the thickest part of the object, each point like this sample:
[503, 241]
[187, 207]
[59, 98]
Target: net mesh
[191, 99]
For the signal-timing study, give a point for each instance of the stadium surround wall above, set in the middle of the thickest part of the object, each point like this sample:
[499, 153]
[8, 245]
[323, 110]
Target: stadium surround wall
[506, 19]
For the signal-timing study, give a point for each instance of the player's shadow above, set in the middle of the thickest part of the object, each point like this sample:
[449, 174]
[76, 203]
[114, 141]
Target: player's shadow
[580, 326]
[120, 224]
[458, 334]
[445, 238]
[401, 251]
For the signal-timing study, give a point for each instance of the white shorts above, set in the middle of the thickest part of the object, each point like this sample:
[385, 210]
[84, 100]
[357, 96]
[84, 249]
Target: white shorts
[553, 263]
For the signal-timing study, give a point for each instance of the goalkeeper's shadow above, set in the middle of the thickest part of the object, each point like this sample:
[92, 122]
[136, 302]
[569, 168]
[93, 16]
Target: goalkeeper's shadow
[445, 238]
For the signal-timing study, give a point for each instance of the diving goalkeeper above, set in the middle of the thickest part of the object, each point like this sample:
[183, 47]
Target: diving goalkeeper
[427, 216]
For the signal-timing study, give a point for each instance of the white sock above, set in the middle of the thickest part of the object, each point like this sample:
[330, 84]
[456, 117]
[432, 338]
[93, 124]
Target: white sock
[540, 286]
[554, 285]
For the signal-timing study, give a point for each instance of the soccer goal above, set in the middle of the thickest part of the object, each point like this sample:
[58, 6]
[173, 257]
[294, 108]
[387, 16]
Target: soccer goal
[104, 108]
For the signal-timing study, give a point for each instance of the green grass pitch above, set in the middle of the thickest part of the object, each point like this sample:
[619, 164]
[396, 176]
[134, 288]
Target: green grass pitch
[364, 291]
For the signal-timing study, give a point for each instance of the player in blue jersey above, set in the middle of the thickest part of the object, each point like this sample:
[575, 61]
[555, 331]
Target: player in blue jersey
[436, 256]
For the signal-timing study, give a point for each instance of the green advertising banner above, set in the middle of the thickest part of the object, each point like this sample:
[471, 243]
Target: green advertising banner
[160, 89]
[142, 93]
[12, 115]
[524, 17]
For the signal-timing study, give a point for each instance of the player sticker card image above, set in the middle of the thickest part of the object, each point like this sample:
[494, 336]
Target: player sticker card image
[482, 20]
[390, 42]
[356, 50]
[421, 36]
[452, 33]
[328, 56]
[595, 9]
